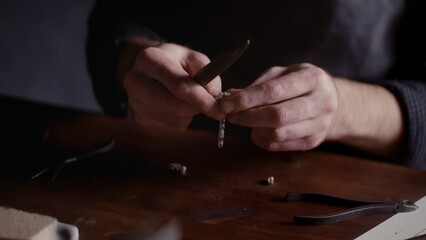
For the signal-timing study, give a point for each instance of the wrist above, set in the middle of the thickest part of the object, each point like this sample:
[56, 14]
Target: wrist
[368, 117]
[342, 127]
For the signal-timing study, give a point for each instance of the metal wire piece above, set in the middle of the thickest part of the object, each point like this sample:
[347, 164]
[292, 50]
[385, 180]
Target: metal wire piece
[221, 132]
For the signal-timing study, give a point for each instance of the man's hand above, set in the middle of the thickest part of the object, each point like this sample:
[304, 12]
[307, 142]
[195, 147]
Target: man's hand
[288, 108]
[299, 107]
[161, 92]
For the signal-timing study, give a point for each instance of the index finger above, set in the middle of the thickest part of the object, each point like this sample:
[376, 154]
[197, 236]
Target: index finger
[157, 64]
[273, 91]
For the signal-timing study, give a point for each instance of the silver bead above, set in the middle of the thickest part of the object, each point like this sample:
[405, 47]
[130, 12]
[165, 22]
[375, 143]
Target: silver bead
[221, 132]
[222, 95]
[179, 168]
[183, 170]
[271, 180]
[174, 166]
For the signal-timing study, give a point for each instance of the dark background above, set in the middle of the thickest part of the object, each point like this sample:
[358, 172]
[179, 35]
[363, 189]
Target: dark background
[42, 55]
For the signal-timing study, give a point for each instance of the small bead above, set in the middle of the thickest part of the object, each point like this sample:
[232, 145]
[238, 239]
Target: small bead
[179, 168]
[221, 132]
[222, 125]
[222, 95]
[271, 180]
[174, 166]
[183, 170]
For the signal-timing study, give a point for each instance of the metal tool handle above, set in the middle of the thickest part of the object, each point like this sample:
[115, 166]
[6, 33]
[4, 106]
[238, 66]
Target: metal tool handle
[329, 199]
[220, 64]
[363, 207]
[373, 209]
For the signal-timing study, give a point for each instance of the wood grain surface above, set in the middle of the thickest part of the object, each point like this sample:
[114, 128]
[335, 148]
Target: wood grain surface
[221, 197]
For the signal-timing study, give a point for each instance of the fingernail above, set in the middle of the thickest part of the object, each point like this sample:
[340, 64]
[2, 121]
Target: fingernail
[227, 106]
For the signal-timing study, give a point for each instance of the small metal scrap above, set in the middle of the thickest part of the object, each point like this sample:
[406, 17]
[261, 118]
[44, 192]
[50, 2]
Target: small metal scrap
[179, 168]
[221, 132]
[271, 180]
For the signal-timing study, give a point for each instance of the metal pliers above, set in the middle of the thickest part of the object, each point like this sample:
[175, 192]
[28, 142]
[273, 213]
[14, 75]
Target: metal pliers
[54, 165]
[360, 207]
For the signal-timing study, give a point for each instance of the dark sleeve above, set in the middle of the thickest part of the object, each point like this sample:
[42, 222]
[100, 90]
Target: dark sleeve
[110, 22]
[411, 64]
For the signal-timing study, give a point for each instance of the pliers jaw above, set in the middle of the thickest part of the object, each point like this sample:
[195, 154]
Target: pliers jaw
[403, 205]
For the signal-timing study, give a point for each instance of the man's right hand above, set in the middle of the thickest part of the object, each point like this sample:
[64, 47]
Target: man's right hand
[162, 94]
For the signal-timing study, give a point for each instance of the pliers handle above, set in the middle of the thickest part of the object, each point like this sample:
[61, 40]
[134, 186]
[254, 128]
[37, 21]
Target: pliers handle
[359, 207]
[54, 165]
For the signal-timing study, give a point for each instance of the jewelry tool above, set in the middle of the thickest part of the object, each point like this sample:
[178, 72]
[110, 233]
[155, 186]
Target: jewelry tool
[220, 64]
[359, 208]
[56, 165]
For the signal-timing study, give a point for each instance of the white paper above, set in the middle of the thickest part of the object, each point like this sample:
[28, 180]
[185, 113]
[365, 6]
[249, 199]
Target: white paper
[400, 226]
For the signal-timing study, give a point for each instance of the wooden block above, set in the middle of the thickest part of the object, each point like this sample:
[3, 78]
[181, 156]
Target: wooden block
[19, 225]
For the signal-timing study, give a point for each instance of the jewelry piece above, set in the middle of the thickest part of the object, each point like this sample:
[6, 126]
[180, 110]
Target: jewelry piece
[271, 180]
[183, 170]
[179, 168]
[221, 132]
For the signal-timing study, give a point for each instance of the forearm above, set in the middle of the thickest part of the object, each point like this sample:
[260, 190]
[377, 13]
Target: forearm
[369, 118]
